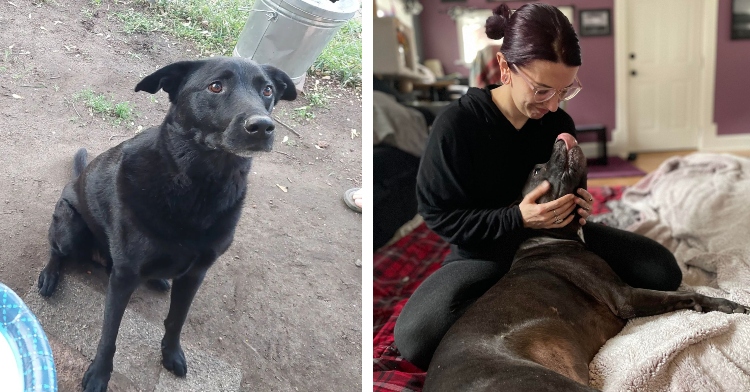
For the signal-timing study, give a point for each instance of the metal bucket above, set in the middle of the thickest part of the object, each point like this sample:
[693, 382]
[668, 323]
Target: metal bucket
[291, 34]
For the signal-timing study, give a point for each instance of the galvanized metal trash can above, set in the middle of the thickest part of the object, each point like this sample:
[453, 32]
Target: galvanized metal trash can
[291, 34]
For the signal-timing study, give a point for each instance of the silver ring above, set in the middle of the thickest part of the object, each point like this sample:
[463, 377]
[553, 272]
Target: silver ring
[558, 221]
[591, 199]
[554, 211]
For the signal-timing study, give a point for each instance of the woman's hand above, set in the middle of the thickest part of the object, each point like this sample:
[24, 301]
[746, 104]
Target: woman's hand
[585, 202]
[552, 215]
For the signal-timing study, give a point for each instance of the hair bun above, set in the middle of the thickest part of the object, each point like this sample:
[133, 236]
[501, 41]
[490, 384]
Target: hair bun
[495, 25]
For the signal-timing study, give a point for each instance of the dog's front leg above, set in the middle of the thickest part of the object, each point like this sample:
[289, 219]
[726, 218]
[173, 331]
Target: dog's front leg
[122, 284]
[633, 302]
[183, 292]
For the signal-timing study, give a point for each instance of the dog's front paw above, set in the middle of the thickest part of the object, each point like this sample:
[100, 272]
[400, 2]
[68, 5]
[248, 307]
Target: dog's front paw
[47, 282]
[174, 360]
[95, 379]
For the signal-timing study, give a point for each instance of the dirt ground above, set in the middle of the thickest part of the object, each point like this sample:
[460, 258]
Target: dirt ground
[290, 285]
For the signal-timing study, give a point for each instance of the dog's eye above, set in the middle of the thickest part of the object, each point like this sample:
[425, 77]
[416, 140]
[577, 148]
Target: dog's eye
[536, 171]
[268, 91]
[215, 87]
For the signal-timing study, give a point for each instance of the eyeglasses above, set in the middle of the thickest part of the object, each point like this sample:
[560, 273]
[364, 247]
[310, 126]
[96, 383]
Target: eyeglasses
[544, 94]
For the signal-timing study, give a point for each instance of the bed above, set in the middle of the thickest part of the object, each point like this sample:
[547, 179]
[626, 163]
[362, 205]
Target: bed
[698, 206]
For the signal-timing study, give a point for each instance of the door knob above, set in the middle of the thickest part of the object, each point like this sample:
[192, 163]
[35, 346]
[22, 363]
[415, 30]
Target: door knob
[633, 73]
[632, 55]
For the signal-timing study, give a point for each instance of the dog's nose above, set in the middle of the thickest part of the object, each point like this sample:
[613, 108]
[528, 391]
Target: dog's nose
[254, 125]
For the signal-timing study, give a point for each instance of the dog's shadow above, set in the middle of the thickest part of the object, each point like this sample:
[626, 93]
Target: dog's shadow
[96, 276]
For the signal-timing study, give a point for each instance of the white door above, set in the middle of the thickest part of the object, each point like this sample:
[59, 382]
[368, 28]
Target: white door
[664, 64]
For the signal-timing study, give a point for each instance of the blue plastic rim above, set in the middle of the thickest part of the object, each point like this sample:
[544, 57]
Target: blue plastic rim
[24, 334]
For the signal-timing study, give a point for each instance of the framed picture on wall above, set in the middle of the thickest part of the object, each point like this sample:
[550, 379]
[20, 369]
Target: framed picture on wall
[740, 19]
[594, 23]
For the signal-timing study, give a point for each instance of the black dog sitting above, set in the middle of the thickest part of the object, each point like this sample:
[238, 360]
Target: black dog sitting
[165, 204]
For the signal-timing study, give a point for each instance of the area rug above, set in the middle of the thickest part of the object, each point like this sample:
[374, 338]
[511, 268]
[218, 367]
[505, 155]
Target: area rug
[615, 167]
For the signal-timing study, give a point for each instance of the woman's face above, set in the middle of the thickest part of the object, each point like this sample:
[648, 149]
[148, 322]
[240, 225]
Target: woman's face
[539, 74]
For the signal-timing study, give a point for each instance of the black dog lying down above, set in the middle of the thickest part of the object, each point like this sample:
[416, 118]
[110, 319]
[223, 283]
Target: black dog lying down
[164, 204]
[539, 327]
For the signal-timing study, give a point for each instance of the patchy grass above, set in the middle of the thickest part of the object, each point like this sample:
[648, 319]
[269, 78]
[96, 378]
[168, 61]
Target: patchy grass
[136, 22]
[303, 113]
[123, 111]
[317, 99]
[342, 57]
[317, 96]
[100, 104]
[215, 25]
[87, 13]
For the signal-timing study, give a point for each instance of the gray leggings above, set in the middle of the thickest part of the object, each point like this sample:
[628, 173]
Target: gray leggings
[446, 294]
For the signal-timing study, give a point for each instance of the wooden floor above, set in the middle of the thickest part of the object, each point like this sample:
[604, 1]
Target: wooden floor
[648, 162]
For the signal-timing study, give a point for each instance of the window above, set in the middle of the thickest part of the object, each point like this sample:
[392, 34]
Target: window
[471, 36]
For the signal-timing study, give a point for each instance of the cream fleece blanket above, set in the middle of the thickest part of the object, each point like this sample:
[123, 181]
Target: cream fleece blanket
[698, 206]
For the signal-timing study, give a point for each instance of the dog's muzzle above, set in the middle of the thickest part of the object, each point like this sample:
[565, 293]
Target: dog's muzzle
[260, 126]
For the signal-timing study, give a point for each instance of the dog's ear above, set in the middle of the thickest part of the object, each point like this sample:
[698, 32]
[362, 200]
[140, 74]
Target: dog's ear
[169, 79]
[282, 83]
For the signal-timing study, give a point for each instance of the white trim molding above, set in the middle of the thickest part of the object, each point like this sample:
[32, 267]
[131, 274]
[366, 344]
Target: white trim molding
[710, 141]
[620, 145]
[707, 137]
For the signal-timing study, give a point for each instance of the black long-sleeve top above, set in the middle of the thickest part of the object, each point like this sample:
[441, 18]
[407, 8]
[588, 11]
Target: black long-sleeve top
[474, 167]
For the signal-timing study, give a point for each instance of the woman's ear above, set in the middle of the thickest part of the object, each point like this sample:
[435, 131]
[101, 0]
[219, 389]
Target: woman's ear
[504, 69]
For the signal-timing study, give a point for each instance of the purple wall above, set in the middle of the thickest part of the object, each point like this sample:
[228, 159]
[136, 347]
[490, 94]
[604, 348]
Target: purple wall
[731, 111]
[595, 104]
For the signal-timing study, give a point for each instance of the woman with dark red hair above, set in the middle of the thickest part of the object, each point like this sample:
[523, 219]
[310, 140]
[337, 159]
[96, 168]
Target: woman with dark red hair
[479, 154]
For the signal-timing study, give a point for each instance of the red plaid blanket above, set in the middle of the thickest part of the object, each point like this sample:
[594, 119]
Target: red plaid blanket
[398, 270]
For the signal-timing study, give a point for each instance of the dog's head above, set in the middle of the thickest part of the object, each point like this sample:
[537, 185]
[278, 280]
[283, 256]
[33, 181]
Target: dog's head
[566, 171]
[223, 103]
